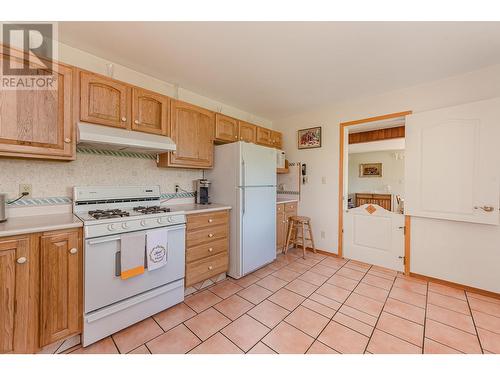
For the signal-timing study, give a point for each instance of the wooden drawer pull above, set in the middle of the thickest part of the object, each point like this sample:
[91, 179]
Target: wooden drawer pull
[210, 235]
[210, 220]
[73, 250]
[210, 249]
[210, 268]
[21, 260]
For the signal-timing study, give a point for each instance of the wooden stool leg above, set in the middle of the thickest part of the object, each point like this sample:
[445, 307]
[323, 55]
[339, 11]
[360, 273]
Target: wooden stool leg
[303, 242]
[289, 234]
[311, 236]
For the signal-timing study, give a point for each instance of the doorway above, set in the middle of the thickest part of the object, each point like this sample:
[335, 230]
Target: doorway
[372, 225]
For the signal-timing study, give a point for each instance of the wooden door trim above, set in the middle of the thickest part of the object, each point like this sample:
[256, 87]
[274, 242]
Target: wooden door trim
[342, 127]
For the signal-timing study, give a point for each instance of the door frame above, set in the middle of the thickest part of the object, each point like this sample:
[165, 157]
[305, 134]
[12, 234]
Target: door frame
[342, 141]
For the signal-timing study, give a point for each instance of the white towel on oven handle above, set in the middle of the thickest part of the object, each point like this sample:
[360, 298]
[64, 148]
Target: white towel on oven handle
[156, 248]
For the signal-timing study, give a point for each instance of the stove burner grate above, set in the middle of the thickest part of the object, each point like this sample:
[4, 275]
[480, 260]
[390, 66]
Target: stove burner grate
[151, 209]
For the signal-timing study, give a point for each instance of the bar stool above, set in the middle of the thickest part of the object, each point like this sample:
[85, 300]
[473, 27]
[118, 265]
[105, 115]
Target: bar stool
[296, 223]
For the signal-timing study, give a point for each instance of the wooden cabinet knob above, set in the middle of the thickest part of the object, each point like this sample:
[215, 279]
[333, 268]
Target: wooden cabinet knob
[210, 220]
[210, 249]
[124, 119]
[67, 140]
[235, 137]
[21, 260]
[211, 235]
[210, 268]
[73, 250]
[137, 122]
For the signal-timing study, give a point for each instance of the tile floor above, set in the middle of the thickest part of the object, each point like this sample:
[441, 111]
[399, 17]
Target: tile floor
[317, 305]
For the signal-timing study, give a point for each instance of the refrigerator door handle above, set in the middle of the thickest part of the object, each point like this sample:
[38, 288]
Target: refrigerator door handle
[243, 200]
[243, 171]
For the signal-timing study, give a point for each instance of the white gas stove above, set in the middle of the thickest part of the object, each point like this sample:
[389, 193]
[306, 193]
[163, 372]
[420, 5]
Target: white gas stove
[109, 214]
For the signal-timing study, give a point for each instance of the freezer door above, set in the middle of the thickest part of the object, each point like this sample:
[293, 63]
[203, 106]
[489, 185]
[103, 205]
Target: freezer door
[258, 165]
[258, 239]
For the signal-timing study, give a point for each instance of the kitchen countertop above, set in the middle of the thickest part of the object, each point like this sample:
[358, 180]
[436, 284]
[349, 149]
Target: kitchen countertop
[193, 208]
[286, 200]
[38, 223]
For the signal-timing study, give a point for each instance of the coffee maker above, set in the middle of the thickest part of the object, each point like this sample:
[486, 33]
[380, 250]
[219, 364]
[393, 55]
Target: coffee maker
[202, 190]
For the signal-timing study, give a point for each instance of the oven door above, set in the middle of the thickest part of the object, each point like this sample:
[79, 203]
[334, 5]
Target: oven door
[103, 285]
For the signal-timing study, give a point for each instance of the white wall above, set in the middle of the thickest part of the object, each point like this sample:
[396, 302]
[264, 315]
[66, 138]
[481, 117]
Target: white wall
[459, 252]
[393, 170]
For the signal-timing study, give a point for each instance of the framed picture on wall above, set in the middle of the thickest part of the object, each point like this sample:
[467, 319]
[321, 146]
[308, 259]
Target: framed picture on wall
[370, 170]
[309, 138]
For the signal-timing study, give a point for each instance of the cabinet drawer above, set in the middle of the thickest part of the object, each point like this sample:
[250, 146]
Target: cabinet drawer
[205, 268]
[198, 237]
[210, 219]
[280, 208]
[290, 207]
[206, 250]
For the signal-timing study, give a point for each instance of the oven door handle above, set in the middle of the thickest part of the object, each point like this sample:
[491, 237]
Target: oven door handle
[107, 239]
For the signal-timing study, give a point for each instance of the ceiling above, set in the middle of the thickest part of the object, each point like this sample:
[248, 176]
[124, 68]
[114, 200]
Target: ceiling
[277, 69]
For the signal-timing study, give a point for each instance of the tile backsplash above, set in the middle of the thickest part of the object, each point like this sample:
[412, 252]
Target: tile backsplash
[57, 178]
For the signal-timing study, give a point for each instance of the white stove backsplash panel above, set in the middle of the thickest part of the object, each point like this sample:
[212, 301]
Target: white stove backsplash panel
[56, 179]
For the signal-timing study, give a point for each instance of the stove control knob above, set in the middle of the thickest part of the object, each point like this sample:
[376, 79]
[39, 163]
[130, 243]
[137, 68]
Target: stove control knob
[125, 225]
[143, 223]
[170, 219]
[111, 227]
[160, 220]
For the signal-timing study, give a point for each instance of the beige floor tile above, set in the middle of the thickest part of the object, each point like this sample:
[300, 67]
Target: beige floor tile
[255, 294]
[136, 335]
[365, 304]
[489, 340]
[225, 289]
[286, 274]
[411, 286]
[484, 306]
[324, 270]
[343, 339]
[308, 261]
[333, 292]
[261, 348]
[319, 308]
[202, 300]
[483, 298]
[287, 299]
[301, 287]
[245, 332]
[207, 323]
[359, 315]
[354, 266]
[451, 318]
[452, 337]
[343, 282]
[298, 267]
[354, 324]
[350, 273]
[447, 291]
[319, 348]
[485, 321]
[333, 262]
[217, 344]
[286, 339]
[104, 346]
[268, 313]
[173, 316]
[402, 328]
[313, 278]
[307, 321]
[371, 291]
[272, 283]
[246, 281]
[380, 282]
[408, 297]
[233, 307]
[178, 340]
[263, 272]
[140, 350]
[383, 343]
[334, 305]
[433, 347]
[449, 303]
[405, 310]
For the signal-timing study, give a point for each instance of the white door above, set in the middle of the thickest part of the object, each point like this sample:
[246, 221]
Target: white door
[374, 235]
[452, 163]
[258, 165]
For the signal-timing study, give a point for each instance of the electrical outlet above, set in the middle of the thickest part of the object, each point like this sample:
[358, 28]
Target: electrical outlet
[26, 188]
[322, 234]
[177, 188]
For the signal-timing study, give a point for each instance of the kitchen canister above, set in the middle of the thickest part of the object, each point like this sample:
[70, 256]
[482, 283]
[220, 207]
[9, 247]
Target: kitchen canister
[3, 207]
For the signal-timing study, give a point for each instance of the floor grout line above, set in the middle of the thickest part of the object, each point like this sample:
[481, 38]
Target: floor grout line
[474, 324]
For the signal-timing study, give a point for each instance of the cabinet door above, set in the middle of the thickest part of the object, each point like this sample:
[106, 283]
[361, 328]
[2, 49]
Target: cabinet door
[104, 101]
[38, 123]
[192, 130]
[264, 136]
[60, 275]
[247, 132]
[280, 229]
[276, 139]
[226, 128]
[149, 112]
[14, 295]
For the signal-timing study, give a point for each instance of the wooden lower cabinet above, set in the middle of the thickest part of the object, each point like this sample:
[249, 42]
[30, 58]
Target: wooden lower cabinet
[207, 245]
[283, 213]
[40, 289]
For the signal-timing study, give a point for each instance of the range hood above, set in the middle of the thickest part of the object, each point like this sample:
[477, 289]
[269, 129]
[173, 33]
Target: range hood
[108, 138]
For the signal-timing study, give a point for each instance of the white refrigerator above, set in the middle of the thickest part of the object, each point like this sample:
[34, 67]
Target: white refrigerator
[244, 177]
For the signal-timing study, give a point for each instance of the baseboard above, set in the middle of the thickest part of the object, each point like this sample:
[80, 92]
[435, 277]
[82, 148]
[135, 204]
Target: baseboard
[323, 252]
[456, 285]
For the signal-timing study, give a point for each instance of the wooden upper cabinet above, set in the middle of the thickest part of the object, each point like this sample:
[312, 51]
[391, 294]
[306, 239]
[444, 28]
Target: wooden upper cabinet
[226, 128]
[60, 285]
[149, 111]
[104, 101]
[14, 295]
[192, 130]
[264, 136]
[276, 139]
[38, 123]
[247, 132]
